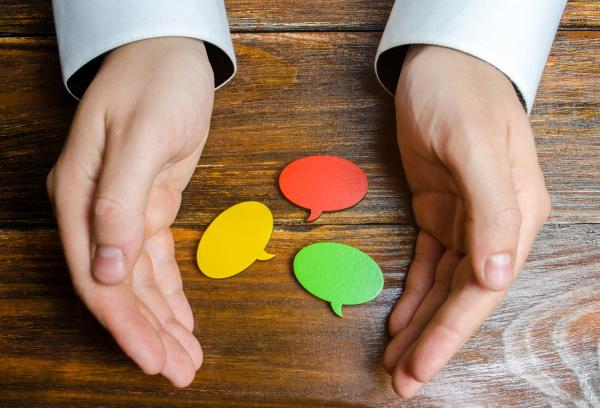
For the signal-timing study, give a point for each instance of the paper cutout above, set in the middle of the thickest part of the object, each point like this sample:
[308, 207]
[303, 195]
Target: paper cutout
[323, 183]
[338, 273]
[235, 239]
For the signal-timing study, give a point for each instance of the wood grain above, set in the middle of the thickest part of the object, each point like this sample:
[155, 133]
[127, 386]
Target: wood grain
[267, 342]
[298, 94]
[31, 17]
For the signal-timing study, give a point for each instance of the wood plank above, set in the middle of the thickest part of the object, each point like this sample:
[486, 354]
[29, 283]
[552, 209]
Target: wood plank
[297, 94]
[27, 17]
[269, 343]
[292, 15]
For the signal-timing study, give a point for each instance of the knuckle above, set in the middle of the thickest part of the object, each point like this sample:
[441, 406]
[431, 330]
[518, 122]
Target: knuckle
[507, 218]
[441, 287]
[147, 283]
[418, 291]
[108, 209]
[540, 211]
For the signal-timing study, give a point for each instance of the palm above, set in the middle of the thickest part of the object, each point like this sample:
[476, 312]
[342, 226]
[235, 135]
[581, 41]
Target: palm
[443, 302]
[148, 313]
[442, 298]
[479, 200]
[133, 146]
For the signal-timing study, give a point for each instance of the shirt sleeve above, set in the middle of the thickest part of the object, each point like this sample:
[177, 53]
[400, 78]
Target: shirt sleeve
[515, 36]
[88, 29]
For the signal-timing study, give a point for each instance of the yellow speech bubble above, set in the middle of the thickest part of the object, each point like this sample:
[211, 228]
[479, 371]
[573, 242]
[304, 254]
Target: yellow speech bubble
[235, 239]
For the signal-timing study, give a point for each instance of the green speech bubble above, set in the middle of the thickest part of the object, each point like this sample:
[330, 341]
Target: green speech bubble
[338, 273]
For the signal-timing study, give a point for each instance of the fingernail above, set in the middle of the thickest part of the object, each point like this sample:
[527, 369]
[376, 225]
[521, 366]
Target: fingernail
[497, 271]
[109, 264]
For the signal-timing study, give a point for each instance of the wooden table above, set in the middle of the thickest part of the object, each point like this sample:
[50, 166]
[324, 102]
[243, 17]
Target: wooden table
[305, 86]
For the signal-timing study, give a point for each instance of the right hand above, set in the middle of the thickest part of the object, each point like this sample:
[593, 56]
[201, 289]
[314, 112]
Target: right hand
[479, 199]
[116, 188]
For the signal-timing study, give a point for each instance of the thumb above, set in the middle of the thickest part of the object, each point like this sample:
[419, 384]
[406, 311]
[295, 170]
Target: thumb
[119, 207]
[482, 169]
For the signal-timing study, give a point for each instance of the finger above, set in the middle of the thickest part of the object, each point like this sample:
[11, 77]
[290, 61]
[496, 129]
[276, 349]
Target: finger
[187, 340]
[532, 195]
[469, 304]
[457, 319]
[144, 285]
[463, 312]
[163, 205]
[443, 216]
[71, 185]
[130, 165]
[403, 382]
[428, 307]
[118, 310]
[178, 368]
[72, 188]
[161, 250]
[418, 281]
[481, 166]
[176, 331]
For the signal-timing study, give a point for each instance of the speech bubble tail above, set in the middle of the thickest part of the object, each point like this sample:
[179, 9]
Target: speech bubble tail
[337, 309]
[314, 214]
[264, 256]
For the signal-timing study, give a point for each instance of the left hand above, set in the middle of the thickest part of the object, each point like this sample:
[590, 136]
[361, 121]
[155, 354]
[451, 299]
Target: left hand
[116, 188]
[479, 200]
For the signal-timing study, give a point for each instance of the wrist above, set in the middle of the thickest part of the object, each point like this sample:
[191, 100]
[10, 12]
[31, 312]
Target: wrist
[157, 47]
[463, 80]
[152, 51]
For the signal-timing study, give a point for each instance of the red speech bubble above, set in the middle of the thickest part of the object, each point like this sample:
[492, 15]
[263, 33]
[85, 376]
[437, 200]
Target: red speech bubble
[323, 183]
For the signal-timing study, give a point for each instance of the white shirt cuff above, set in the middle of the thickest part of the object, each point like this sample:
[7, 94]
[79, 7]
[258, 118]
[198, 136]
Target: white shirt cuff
[87, 29]
[515, 36]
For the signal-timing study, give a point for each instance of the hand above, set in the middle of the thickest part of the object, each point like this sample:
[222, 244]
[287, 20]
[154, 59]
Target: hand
[116, 188]
[479, 200]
